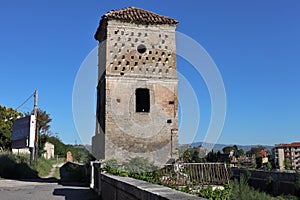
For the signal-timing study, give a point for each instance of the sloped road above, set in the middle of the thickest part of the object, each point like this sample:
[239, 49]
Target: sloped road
[43, 189]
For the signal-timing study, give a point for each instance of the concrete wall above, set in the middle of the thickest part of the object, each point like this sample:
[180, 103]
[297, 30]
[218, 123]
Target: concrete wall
[110, 187]
[281, 183]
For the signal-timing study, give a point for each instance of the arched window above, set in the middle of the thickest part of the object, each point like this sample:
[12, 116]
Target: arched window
[142, 97]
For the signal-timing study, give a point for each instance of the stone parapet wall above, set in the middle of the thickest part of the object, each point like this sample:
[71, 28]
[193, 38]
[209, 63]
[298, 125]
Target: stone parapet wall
[110, 187]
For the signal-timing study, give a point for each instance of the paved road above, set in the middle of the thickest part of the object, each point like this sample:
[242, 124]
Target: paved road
[43, 189]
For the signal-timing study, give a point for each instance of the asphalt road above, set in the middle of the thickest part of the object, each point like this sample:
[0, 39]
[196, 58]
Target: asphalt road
[43, 189]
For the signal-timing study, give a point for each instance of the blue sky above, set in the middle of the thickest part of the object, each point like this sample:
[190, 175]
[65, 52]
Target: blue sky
[255, 45]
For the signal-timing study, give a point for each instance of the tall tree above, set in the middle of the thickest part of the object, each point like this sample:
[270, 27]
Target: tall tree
[7, 116]
[43, 121]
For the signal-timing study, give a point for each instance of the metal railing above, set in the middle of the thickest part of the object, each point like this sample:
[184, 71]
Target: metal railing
[195, 174]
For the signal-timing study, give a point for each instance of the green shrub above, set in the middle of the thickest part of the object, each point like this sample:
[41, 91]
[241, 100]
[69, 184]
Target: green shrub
[216, 194]
[43, 167]
[11, 168]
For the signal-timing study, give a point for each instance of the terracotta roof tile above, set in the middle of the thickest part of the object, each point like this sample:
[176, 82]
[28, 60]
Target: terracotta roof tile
[132, 15]
[139, 16]
[294, 144]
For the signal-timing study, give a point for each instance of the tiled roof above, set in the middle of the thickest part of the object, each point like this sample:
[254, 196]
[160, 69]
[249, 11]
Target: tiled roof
[294, 144]
[138, 16]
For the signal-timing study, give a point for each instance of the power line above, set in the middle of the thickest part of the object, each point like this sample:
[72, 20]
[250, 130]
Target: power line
[25, 101]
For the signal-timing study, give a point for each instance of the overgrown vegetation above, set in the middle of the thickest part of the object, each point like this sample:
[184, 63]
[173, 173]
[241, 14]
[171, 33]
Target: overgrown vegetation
[43, 167]
[7, 116]
[141, 168]
[16, 166]
[57, 173]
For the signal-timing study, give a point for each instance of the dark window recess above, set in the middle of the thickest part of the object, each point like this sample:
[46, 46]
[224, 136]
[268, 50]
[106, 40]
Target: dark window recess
[141, 48]
[171, 102]
[169, 121]
[142, 100]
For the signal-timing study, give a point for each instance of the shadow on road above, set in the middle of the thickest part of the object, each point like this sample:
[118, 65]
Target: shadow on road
[75, 193]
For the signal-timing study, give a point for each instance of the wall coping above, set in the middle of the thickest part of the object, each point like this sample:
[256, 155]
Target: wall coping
[130, 185]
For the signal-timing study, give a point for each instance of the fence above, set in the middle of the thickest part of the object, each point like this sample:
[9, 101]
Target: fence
[195, 174]
[110, 187]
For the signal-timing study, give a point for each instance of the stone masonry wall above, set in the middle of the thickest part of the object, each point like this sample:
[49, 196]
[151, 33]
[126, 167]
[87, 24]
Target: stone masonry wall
[138, 56]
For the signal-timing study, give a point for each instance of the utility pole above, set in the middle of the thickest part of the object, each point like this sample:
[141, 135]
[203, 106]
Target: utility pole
[33, 150]
[35, 107]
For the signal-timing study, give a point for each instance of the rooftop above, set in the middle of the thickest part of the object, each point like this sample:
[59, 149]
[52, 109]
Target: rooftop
[132, 15]
[138, 16]
[294, 144]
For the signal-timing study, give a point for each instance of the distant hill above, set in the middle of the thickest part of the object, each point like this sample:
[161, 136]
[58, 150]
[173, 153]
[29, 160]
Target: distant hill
[218, 147]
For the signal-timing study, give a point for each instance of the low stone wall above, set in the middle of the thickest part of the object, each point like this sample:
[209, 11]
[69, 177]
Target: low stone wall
[273, 182]
[110, 187]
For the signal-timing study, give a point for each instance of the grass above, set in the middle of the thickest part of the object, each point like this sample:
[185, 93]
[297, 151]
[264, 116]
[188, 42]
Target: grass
[16, 166]
[241, 190]
[43, 167]
[12, 166]
[57, 174]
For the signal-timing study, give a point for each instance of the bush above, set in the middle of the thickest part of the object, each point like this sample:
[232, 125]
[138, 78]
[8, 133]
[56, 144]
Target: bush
[10, 168]
[216, 194]
[139, 168]
[43, 167]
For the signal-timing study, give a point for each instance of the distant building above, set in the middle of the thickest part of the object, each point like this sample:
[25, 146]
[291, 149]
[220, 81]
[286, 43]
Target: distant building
[49, 151]
[242, 161]
[287, 154]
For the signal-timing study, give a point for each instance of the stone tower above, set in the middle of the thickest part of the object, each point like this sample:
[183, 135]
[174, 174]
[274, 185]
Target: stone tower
[137, 113]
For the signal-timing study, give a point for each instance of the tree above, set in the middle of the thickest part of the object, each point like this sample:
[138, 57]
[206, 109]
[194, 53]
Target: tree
[256, 151]
[269, 166]
[228, 149]
[297, 181]
[239, 153]
[43, 124]
[287, 163]
[43, 121]
[7, 116]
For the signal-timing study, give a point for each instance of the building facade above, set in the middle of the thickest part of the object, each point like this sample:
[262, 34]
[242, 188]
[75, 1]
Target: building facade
[49, 151]
[137, 113]
[287, 155]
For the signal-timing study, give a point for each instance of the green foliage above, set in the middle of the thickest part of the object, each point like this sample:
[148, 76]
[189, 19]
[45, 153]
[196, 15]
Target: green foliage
[79, 152]
[7, 116]
[44, 120]
[43, 167]
[139, 168]
[192, 155]
[254, 166]
[237, 152]
[228, 149]
[12, 166]
[216, 194]
[241, 190]
[297, 182]
[287, 163]
[258, 161]
[269, 166]
[57, 173]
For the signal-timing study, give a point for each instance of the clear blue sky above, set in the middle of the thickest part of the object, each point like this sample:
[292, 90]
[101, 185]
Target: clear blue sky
[255, 44]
